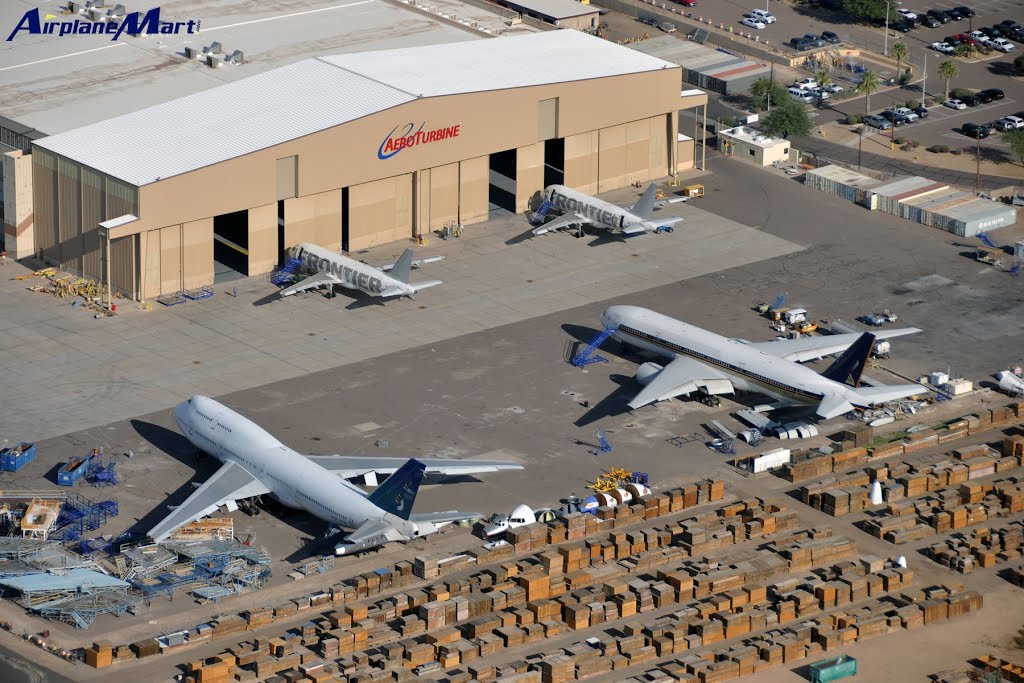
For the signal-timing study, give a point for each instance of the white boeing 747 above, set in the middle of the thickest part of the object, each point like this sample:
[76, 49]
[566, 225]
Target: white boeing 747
[255, 463]
[704, 361]
[330, 269]
[579, 209]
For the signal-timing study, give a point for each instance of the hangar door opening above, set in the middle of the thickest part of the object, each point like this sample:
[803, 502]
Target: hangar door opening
[554, 162]
[230, 246]
[501, 193]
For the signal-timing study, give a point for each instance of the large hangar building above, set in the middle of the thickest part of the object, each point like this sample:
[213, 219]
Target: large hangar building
[351, 151]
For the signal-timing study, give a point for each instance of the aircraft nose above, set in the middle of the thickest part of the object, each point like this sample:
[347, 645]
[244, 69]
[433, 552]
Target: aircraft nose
[611, 317]
[179, 412]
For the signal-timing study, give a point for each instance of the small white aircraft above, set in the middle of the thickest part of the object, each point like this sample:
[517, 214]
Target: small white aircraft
[1011, 383]
[255, 463]
[330, 269]
[579, 210]
[708, 362]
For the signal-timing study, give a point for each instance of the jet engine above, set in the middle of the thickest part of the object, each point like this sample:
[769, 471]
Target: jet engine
[646, 373]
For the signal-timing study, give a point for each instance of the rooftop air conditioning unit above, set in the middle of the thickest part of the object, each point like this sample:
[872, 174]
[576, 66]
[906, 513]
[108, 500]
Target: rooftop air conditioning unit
[235, 57]
[215, 48]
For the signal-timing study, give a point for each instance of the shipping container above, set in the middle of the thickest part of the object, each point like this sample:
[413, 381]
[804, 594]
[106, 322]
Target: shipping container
[769, 460]
[14, 458]
[73, 470]
[968, 219]
[833, 669]
[840, 182]
[887, 197]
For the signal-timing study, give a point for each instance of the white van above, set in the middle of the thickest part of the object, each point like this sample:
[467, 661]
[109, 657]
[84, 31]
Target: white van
[801, 95]
[763, 15]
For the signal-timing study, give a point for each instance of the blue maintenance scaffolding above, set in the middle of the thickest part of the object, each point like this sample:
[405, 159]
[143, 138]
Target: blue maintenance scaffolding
[79, 515]
[102, 471]
[286, 273]
[987, 240]
[588, 355]
[603, 444]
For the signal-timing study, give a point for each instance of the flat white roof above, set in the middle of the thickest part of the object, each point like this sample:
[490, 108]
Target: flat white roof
[317, 94]
[553, 9]
[754, 137]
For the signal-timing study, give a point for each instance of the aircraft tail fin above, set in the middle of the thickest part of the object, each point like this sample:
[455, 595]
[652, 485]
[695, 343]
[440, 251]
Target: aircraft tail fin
[397, 494]
[848, 367]
[400, 271]
[645, 207]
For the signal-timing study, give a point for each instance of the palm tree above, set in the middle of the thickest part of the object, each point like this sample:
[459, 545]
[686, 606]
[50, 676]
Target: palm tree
[824, 79]
[868, 84]
[948, 70]
[899, 51]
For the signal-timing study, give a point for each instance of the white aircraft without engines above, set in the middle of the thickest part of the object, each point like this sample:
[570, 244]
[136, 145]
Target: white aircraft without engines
[330, 269]
[708, 362]
[255, 463]
[579, 210]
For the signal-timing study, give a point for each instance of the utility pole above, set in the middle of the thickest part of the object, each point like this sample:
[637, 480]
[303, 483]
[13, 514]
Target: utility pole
[977, 172]
[924, 83]
[771, 84]
[860, 143]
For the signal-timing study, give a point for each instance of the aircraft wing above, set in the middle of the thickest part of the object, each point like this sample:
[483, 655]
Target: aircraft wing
[681, 377]
[311, 282]
[351, 466]
[374, 530]
[833, 405]
[815, 347]
[441, 517]
[230, 483]
[416, 262]
[562, 222]
[639, 228]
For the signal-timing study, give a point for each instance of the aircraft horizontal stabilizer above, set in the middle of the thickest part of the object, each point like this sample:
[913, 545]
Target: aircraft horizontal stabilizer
[443, 517]
[416, 262]
[833, 405]
[637, 229]
[868, 396]
[375, 530]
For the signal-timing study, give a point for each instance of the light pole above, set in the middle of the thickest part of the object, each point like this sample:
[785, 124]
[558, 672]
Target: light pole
[860, 143]
[885, 44]
[977, 171]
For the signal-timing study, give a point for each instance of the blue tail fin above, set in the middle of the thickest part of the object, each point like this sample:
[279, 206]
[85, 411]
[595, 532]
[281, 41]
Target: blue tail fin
[849, 366]
[396, 495]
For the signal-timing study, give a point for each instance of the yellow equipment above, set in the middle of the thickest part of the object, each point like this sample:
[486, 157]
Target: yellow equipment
[693, 191]
[613, 478]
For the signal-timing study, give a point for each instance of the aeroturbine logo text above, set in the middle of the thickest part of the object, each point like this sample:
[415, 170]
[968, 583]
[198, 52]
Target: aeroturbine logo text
[132, 24]
[396, 141]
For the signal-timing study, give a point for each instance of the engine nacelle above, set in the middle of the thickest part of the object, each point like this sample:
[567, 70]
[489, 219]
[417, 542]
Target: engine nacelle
[646, 373]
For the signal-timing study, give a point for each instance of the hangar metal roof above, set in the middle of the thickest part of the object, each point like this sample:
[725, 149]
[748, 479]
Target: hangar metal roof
[316, 94]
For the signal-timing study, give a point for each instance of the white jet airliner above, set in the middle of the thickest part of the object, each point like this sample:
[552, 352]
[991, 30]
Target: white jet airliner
[708, 362]
[579, 209]
[330, 269]
[255, 463]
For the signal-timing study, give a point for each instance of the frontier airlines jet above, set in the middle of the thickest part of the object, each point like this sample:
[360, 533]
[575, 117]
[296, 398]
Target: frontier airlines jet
[255, 464]
[579, 210]
[708, 362]
[329, 269]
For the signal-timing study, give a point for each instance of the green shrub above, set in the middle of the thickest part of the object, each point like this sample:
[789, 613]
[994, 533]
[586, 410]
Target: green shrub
[957, 93]
[957, 152]
[899, 141]
[915, 144]
[938, 149]
[853, 119]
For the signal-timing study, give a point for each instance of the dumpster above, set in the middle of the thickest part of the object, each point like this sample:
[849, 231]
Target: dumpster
[833, 669]
[73, 470]
[14, 458]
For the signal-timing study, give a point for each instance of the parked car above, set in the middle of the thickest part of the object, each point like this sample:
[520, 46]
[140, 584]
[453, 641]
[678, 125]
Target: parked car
[980, 37]
[995, 93]
[992, 31]
[966, 39]
[964, 11]
[801, 95]
[834, 88]
[1010, 24]
[970, 100]
[909, 114]
[830, 38]
[763, 15]
[930, 22]
[820, 93]
[876, 121]
[975, 130]
[806, 83]
[944, 48]
[906, 13]
[953, 42]
[687, 3]
[922, 112]
[954, 104]
[667, 26]
[815, 39]
[752, 23]
[893, 117]
[954, 15]
[901, 26]
[939, 15]
[1009, 123]
[1002, 44]
[984, 97]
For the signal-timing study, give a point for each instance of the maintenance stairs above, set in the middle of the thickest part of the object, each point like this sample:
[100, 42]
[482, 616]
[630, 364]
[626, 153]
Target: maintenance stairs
[286, 273]
[587, 355]
[987, 240]
[542, 212]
